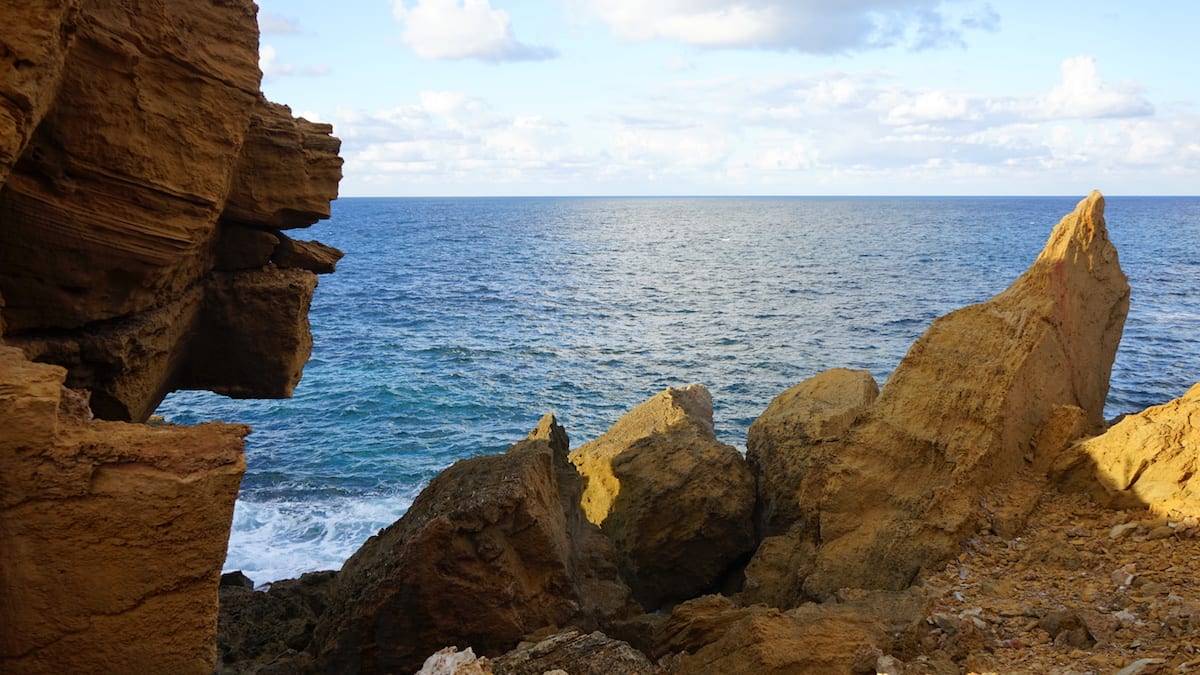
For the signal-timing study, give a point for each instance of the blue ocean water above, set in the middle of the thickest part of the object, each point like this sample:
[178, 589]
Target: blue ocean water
[452, 324]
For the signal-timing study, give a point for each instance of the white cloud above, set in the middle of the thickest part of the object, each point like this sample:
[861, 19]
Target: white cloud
[826, 132]
[1081, 93]
[274, 24]
[268, 63]
[462, 29]
[813, 26]
[931, 106]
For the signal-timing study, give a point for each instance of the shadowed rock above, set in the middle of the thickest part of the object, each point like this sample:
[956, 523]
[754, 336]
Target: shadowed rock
[494, 548]
[675, 501]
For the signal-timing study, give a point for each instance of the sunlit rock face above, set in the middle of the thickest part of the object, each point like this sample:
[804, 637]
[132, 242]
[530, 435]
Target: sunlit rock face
[1149, 459]
[953, 435]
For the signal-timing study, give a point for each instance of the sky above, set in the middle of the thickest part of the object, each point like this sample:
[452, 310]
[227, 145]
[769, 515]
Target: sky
[745, 97]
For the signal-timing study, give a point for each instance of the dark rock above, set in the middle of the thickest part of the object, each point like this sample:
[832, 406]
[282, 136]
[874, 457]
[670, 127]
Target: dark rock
[494, 548]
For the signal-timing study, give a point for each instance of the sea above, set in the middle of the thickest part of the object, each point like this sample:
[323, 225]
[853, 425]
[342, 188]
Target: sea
[452, 325]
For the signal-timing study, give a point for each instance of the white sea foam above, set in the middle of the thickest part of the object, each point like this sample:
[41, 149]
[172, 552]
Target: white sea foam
[275, 540]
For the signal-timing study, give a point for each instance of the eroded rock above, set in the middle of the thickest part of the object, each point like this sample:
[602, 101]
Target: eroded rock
[961, 413]
[574, 652]
[676, 502]
[112, 535]
[126, 136]
[494, 548]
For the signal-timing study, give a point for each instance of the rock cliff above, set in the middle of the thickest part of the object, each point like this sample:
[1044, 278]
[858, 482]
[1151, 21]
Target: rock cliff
[144, 186]
[112, 535]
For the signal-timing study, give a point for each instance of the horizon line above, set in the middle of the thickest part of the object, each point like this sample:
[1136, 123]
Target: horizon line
[773, 196]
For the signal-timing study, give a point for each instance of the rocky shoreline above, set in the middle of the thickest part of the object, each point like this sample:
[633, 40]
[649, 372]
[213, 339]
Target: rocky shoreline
[949, 522]
[975, 514]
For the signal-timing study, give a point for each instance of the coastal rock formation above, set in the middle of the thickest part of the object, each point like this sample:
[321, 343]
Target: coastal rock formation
[1149, 459]
[958, 418]
[137, 156]
[143, 184]
[785, 444]
[675, 501]
[112, 535]
[494, 548]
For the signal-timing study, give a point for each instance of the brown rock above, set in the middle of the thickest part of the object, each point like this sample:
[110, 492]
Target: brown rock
[128, 132]
[1146, 459]
[676, 503]
[961, 413]
[282, 158]
[574, 652]
[786, 444]
[255, 627]
[112, 535]
[37, 36]
[243, 248]
[711, 635]
[252, 338]
[489, 552]
[306, 255]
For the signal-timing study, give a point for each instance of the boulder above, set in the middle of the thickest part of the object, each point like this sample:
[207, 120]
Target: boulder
[1149, 459]
[112, 535]
[676, 502]
[494, 548]
[256, 628]
[960, 416]
[788, 445]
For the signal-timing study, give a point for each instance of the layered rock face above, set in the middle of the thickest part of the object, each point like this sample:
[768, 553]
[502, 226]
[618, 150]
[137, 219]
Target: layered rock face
[495, 548]
[145, 184]
[112, 535]
[675, 501]
[956, 421]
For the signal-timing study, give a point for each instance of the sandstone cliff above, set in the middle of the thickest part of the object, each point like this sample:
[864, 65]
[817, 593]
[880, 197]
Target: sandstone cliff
[112, 535]
[144, 187]
[145, 184]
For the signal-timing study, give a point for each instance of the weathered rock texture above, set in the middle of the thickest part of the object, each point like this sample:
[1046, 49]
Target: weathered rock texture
[494, 548]
[713, 635]
[112, 535]
[270, 631]
[956, 422]
[675, 501]
[144, 181]
[576, 653]
[1147, 459]
[137, 156]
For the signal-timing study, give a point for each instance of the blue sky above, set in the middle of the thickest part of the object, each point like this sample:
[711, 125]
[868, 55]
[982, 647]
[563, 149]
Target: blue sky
[699, 97]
